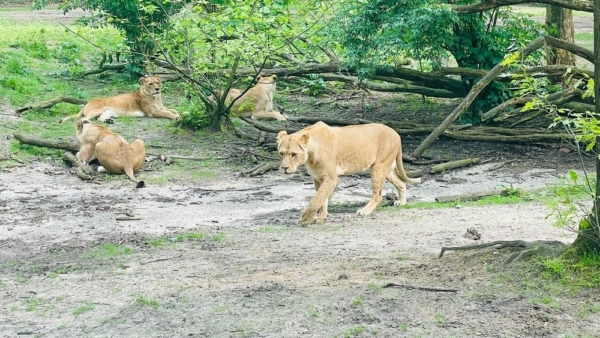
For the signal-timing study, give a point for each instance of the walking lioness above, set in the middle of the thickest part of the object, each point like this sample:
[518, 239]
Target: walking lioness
[332, 151]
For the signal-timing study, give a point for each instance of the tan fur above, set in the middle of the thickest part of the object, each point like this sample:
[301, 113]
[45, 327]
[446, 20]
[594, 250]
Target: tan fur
[146, 101]
[113, 152]
[332, 151]
[257, 102]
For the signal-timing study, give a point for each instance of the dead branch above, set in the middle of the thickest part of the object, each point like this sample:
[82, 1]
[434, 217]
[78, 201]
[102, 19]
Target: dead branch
[500, 165]
[84, 171]
[50, 103]
[161, 259]
[578, 5]
[104, 68]
[241, 189]
[475, 90]
[497, 244]
[261, 169]
[55, 144]
[267, 128]
[453, 165]
[417, 287]
[127, 218]
[468, 196]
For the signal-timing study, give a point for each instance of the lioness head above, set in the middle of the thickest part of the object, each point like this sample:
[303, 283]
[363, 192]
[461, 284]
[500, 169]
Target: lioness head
[151, 85]
[293, 150]
[266, 79]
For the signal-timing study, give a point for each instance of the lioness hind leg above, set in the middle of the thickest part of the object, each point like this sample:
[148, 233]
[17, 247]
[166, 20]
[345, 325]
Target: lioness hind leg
[378, 174]
[258, 115]
[107, 115]
[139, 154]
[110, 157]
[400, 185]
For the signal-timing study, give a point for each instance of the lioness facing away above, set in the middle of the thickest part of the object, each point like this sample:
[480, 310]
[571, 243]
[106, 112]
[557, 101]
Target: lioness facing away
[146, 101]
[114, 153]
[332, 151]
[257, 102]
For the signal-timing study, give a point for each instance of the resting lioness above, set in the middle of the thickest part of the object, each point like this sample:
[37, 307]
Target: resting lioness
[332, 151]
[113, 152]
[257, 102]
[146, 101]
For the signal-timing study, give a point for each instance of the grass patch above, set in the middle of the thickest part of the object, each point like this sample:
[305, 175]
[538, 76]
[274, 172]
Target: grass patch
[192, 236]
[109, 250]
[583, 271]
[143, 301]
[354, 331]
[88, 306]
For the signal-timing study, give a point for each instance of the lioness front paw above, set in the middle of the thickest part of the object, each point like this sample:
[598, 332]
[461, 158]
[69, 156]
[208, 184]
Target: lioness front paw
[306, 218]
[363, 212]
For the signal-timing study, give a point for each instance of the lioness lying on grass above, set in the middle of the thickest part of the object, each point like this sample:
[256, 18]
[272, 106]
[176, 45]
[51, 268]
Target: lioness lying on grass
[146, 101]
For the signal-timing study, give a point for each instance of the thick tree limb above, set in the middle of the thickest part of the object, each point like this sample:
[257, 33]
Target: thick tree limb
[571, 47]
[406, 87]
[475, 90]
[578, 5]
[453, 165]
[50, 103]
[56, 144]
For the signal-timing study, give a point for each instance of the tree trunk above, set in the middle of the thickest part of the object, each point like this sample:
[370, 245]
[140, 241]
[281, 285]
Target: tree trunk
[588, 239]
[560, 21]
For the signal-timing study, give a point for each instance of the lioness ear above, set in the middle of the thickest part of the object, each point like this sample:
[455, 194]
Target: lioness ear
[281, 135]
[258, 78]
[274, 77]
[304, 141]
[142, 80]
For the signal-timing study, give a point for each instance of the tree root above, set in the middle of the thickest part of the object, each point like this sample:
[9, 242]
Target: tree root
[524, 250]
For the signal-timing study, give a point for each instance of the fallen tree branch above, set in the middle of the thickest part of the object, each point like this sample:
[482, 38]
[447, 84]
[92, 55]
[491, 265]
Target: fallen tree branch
[417, 287]
[497, 244]
[241, 189]
[55, 144]
[84, 171]
[50, 103]
[453, 165]
[261, 169]
[468, 196]
[500, 165]
[475, 90]
[104, 68]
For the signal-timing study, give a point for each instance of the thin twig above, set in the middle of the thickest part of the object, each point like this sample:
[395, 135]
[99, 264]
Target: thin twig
[425, 288]
[242, 189]
[160, 260]
[501, 245]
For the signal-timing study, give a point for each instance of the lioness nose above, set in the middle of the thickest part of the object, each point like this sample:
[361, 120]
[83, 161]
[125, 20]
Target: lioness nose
[284, 168]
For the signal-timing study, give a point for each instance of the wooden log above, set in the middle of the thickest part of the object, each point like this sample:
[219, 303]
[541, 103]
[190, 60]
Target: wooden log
[50, 103]
[475, 90]
[453, 165]
[55, 144]
[84, 171]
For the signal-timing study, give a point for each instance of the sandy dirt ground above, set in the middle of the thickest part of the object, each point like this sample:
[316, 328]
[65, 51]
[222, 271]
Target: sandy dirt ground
[225, 257]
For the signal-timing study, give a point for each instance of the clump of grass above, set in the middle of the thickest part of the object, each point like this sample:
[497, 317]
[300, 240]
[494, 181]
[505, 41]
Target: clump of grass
[143, 301]
[109, 250]
[192, 236]
[88, 306]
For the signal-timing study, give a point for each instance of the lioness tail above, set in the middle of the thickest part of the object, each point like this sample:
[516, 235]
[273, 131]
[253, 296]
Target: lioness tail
[80, 114]
[401, 172]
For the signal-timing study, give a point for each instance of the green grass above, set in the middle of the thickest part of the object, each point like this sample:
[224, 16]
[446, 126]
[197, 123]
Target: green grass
[109, 250]
[88, 306]
[355, 331]
[192, 236]
[143, 301]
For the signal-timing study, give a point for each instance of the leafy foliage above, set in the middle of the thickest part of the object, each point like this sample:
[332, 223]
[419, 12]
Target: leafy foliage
[373, 32]
[139, 20]
[240, 37]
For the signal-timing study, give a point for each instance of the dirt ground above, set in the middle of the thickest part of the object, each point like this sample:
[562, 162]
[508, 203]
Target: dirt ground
[223, 255]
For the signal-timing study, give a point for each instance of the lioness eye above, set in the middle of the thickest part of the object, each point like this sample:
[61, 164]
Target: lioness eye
[294, 154]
